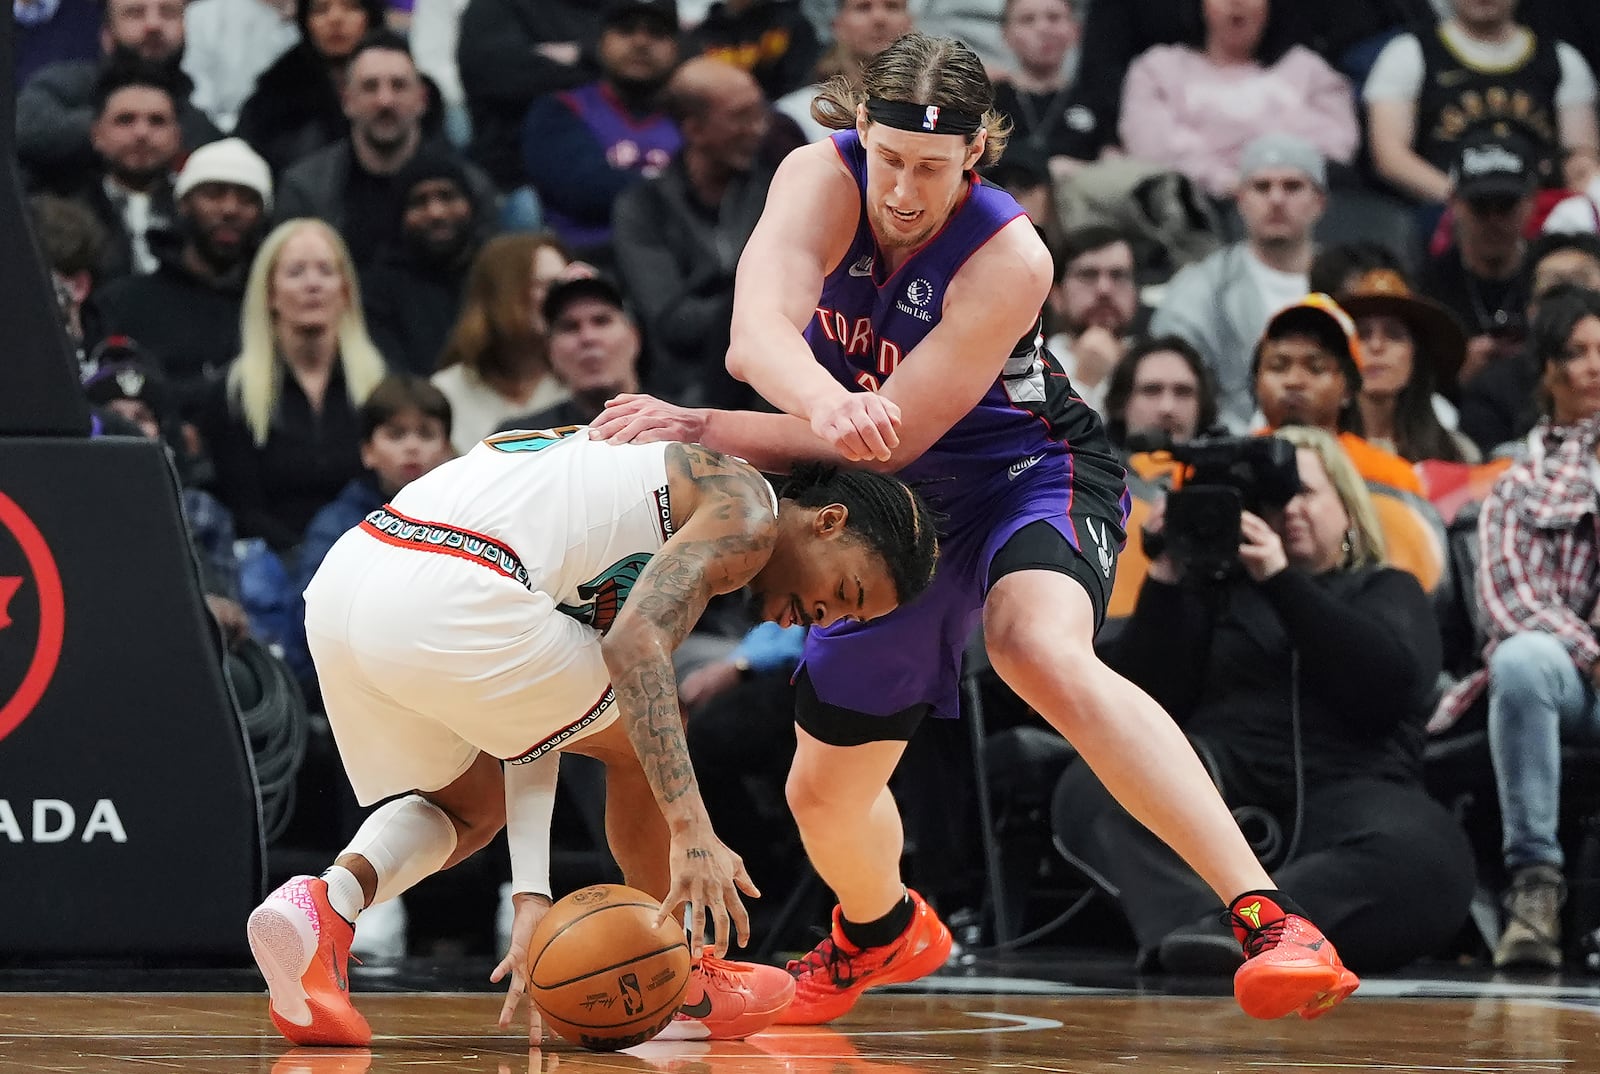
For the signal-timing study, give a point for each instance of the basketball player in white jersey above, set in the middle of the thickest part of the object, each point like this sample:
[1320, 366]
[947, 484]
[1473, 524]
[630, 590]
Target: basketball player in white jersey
[524, 600]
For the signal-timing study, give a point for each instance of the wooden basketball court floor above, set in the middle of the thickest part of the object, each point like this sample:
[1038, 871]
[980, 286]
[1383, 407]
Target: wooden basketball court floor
[949, 1026]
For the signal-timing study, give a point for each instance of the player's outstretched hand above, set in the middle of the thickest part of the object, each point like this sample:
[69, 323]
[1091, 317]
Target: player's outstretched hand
[644, 419]
[708, 877]
[860, 426]
[530, 910]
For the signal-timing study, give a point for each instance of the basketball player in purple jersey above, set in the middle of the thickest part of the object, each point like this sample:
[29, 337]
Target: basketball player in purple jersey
[889, 302]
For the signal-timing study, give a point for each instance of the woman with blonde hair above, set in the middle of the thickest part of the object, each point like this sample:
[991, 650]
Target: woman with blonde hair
[1304, 679]
[494, 365]
[282, 428]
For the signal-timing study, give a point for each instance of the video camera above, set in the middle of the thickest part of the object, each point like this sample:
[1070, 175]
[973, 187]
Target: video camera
[1219, 479]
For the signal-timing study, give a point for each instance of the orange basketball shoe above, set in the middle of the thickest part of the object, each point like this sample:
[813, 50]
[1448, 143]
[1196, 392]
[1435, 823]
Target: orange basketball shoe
[303, 949]
[830, 979]
[1290, 966]
[729, 1000]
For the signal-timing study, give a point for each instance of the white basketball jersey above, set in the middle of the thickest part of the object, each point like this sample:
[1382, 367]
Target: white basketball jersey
[582, 516]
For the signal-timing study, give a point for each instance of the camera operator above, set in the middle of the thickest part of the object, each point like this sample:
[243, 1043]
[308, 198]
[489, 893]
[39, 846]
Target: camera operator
[1304, 679]
[1307, 371]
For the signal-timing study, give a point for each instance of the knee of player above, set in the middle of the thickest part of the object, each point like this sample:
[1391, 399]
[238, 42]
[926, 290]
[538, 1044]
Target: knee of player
[474, 832]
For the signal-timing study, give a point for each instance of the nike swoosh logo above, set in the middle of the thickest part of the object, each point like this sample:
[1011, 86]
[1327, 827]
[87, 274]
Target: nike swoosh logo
[863, 267]
[698, 1010]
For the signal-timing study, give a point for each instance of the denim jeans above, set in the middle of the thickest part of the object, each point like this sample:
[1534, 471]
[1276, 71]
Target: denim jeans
[1538, 699]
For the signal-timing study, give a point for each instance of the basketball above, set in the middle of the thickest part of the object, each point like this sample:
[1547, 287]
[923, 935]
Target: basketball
[604, 976]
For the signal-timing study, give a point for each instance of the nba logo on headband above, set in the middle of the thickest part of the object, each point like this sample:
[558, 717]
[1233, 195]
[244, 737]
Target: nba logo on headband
[930, 118]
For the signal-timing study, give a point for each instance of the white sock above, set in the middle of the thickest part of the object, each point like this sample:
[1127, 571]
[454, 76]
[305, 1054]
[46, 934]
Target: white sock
[344, 892]
[404, 840]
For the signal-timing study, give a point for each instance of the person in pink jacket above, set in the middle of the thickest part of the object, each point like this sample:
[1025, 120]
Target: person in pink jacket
[1195, 110]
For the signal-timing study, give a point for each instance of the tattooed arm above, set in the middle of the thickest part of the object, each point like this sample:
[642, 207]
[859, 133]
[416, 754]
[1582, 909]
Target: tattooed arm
[727, 537]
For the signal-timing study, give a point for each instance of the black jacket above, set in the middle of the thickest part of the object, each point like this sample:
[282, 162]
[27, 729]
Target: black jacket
[503, 73]
[294, 111]
[188, 323]
[1219, 660]
[410, 307]
[677, 261]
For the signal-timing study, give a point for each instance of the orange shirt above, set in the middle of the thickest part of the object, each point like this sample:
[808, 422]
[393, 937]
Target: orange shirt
[1383, 467]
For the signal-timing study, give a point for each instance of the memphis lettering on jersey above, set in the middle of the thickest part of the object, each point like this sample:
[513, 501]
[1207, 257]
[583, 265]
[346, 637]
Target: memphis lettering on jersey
[858, 341]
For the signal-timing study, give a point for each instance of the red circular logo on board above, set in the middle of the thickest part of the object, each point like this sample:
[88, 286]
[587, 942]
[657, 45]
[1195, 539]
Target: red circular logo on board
[32, 615]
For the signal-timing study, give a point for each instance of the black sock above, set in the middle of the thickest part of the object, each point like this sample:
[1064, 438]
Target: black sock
[885, 930]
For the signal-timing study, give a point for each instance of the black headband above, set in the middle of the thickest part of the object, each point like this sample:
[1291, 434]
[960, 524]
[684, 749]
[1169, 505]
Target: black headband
[922, 118]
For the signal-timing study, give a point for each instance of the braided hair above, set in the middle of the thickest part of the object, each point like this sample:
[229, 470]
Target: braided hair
[885, 513]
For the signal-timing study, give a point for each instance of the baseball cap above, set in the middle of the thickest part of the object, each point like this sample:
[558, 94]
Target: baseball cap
[1494, 163]
[229, 161]
[565, 292]
[121, 369]
[663, 12]
[1283, 151]
[1320, 317]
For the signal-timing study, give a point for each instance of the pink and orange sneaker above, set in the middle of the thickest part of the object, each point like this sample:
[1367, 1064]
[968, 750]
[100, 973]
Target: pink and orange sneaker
[1290, 966]
[834, 974]
[303, 949]
[729, 1000]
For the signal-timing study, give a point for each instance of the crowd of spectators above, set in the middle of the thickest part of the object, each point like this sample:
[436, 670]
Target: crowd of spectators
[317, 247]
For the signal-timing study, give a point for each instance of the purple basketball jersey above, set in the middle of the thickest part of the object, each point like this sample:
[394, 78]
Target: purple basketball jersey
[633, 144]
[1030, 451]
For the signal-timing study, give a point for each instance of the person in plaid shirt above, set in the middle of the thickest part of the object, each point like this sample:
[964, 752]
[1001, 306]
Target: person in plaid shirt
[1539, 584]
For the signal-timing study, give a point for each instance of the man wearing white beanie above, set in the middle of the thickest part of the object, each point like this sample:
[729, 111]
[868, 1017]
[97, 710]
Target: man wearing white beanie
[186, 313]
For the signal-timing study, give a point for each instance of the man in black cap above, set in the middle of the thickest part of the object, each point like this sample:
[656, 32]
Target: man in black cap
[413, 294]
[1482, 278]
[593, 346]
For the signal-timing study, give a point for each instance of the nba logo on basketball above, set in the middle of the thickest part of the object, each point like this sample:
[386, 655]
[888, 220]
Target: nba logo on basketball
[632, 1001]
[930, 118]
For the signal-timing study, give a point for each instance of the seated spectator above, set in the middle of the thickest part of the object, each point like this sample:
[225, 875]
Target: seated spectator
[495, 365]
[1195, 110]
[125, 384]
[1427, 91]
[512, 53]
[583, 147]
[1501, 404]
[1307, 371]
[73, 243]
[296, 107]
[136, 138]
[231, 42]
[1042, 36]
[1304, 680]
[186, 312]
[352, 184]
[1411, 348]
[405, 433]
[861, 30]
[1220, 305]
[1160, 394]
[58, 107]
[1094, 303]
[1538, 581]
[679, 235]
[771, 39]
[593, 350]
[413, 294]
[282, 427]
[1482, 278]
